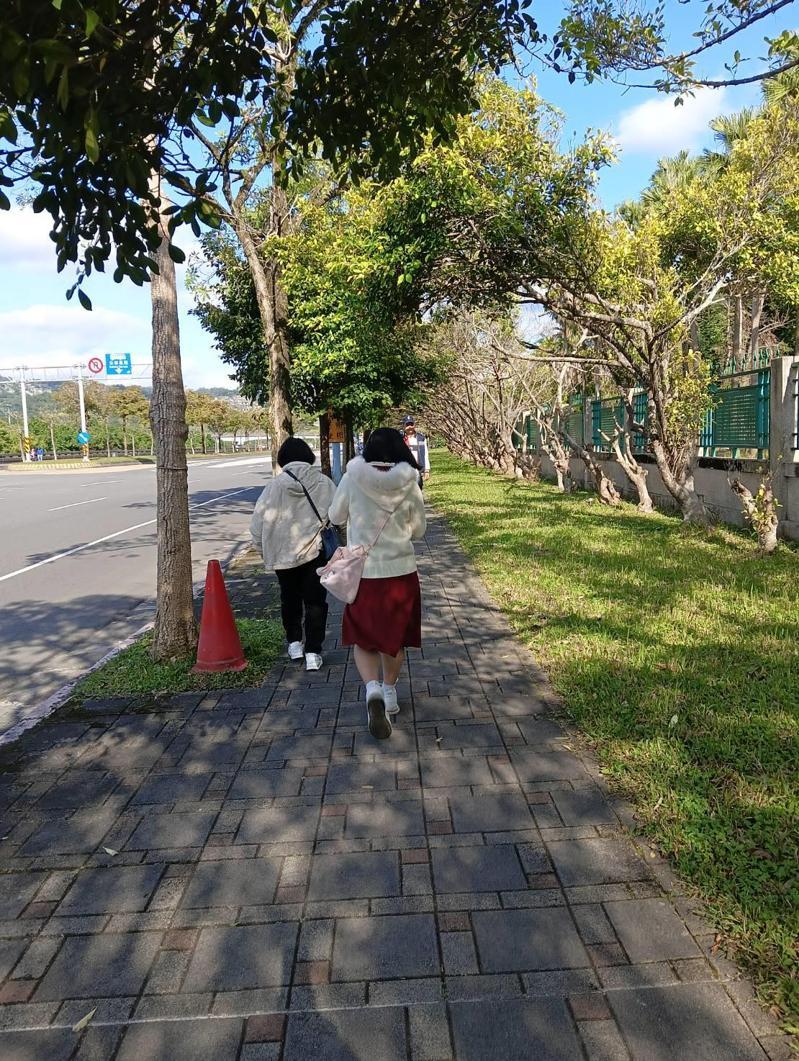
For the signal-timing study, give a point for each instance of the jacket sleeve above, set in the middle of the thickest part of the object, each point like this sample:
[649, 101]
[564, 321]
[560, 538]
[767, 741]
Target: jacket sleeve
[340, 505]
[418, 515]
[269, 516]
[257, 521]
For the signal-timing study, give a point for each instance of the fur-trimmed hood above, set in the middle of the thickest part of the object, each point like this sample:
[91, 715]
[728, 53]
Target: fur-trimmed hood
[388, 486]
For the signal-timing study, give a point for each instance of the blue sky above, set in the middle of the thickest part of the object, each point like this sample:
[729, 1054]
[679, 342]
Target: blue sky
[38, 326]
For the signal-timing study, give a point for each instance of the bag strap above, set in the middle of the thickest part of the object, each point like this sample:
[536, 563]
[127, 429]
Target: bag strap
[383, 526]
[291, 475]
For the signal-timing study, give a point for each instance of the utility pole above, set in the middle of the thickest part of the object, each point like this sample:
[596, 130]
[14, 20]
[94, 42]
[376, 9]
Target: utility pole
[82, 406]
[26, 454]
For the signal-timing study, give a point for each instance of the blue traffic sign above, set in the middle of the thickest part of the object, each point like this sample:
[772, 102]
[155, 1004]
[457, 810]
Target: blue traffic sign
[118, 365]
[84, 438]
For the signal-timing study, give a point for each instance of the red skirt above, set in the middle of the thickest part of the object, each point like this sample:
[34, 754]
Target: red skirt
[386, 616]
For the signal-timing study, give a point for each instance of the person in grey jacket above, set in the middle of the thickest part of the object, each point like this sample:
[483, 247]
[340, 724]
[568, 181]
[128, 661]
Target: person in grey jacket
[287, 533]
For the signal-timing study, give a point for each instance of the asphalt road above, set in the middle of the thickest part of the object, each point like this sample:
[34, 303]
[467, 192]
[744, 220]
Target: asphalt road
[78, 563]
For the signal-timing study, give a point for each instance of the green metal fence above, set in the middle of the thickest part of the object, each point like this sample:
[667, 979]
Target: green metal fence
[575, 420]
[740, 417]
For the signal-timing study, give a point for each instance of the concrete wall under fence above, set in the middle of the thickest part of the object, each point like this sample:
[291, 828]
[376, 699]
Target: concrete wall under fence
[712, 474]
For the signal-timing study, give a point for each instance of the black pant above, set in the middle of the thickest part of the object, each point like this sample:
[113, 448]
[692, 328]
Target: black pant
[300, 588]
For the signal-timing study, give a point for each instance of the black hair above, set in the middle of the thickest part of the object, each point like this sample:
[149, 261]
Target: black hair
[387, 446]
[295, 449]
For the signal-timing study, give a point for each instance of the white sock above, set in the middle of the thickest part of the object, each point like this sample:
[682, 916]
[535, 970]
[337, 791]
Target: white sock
[373, 687]
[387, 685]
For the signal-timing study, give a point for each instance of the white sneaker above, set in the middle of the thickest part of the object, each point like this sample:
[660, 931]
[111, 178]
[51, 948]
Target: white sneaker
[376, 717]
[296, 650]
[313, 661]
[390, 699]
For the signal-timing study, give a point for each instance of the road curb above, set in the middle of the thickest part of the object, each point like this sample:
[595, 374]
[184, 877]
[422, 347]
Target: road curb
[57, 699]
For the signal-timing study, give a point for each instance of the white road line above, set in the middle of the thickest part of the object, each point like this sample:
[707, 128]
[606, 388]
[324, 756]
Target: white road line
[105, 483]
[74, 504]
[108, 537]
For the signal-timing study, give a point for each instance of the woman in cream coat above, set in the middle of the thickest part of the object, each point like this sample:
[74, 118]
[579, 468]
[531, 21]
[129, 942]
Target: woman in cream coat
[287, 533]
[380, 500]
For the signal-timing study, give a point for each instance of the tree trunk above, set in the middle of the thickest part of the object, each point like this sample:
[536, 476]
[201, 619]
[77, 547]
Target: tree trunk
[737, 331]
[758, 301]
[606, 491]
[761, 512]
[681, 486]
[202, 434]
[796, 334]
[52, 442]
[125, 431]
[636, 474]
[324, 445]
[133, 442]
[273, 311]
[175, 633]
[107, 439]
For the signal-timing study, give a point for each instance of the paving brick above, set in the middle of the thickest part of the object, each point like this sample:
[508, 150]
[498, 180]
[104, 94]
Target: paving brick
[50, 1043]
[167, 972]
[420, 992]
[429, 1033]
[172, 831]
[378, 948]
[183, 1040]
[518, 940]
[276, 824]
[696, 1021]
[414, 855]
[315, 972]
[100, 891]
[34, 960]
[304, 746]
[358, 876]
[593, 925]
[103, 965]
[458, 955]
[385, 819]
[603, 1042]
[248, 956]
[514, 1030]
[172, 788]
[245, 1003]
[546, 764]
[352, 777]
[581, 862]
[589, 1007]
[477, 869]
[650, 930]
[179, 939]
[268, 1028]
[343, 1035]
[243, 882]
[16, 991]
[80, 833]
[77, 790]
[504, 812]
[583, 806]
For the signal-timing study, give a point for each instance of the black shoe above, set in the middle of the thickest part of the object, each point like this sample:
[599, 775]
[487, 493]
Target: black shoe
[379, 725]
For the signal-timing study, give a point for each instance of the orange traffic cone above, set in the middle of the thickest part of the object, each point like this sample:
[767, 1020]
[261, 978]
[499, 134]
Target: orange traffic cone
[219, 648]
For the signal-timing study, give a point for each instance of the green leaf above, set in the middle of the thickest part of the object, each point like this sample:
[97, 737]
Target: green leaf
[92, 146]
[176, 254]
[57, 4]
[84, 299]
[92, 21]
[63, 89]
[5, 202]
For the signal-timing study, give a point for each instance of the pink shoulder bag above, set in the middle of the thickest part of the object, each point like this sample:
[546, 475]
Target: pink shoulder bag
[343, 572]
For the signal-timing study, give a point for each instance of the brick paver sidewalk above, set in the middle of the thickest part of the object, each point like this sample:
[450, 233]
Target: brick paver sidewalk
[250, 875]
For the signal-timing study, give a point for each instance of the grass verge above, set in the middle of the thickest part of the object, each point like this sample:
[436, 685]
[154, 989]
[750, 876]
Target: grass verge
[134, 671]
[677, 653]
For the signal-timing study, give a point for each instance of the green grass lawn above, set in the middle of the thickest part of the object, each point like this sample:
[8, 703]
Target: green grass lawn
[677, 652]
[134, 671]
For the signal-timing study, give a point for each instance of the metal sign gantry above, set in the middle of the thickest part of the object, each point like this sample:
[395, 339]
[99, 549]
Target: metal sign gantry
[105, 367]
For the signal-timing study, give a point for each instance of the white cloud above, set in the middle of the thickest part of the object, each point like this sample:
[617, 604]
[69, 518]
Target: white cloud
[46, 335]
[24, 240]
[657, 126]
